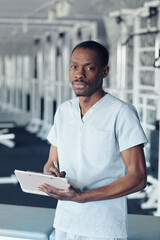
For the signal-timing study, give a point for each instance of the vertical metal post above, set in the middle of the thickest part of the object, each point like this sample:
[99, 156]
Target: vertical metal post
[40, 77]
[119, 53]
[136, 64]
[16, 84]
[157, 80]
[23, 84]
[158, 202]
[59, 79]
[13, 77]
[66, 61]
[123, 73]
[121, 84]
[1, 81]
[94, 31]
[5, 79]
[53, 55]
[19, 83]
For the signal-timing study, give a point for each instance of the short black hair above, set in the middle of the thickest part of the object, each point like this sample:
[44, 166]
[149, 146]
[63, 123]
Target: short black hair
[97, 47]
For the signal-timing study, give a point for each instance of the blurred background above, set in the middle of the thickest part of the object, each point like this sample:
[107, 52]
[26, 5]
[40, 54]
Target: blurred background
[36, 39]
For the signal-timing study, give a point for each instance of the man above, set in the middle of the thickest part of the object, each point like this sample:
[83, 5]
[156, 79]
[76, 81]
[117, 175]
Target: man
[98, 142]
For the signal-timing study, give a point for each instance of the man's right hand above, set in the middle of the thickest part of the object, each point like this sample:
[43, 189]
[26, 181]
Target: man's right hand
[52, 167]
[54, 171]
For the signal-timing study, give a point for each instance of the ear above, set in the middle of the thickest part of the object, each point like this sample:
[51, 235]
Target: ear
[105, 71]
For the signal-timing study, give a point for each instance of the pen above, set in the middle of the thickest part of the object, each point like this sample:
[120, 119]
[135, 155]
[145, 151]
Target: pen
[55, 164]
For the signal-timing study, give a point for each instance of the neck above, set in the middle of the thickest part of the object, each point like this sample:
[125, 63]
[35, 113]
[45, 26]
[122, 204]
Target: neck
[86, 102]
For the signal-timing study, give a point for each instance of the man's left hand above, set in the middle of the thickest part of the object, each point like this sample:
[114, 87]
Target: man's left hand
[71, 194]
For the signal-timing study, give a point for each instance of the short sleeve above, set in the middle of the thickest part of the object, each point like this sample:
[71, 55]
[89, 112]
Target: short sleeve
[129, 131]
[52, 136]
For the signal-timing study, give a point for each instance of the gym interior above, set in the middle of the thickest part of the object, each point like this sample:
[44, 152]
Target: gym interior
[36, 40]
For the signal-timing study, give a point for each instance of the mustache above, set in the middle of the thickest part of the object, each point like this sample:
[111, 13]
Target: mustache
[79, 80]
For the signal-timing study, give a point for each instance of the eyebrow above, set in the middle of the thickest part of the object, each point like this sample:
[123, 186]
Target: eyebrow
[89, 63]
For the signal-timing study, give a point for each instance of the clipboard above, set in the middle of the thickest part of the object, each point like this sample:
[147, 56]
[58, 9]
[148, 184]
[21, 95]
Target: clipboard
[30, 180]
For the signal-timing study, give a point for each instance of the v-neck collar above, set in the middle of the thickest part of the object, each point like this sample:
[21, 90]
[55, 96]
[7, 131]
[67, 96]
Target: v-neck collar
[90, 110]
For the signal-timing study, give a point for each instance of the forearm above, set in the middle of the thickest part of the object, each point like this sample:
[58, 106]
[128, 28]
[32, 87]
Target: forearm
[133, 181]
[128, 184]
[47, 166]
[53, 157]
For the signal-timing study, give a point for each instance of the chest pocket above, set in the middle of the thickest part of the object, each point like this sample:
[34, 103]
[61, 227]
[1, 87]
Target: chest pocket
[97, 145]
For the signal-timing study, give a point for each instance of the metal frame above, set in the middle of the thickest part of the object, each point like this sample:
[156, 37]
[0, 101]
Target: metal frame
[140, 95]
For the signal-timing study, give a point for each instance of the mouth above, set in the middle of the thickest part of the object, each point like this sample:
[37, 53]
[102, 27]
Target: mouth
[79, 85]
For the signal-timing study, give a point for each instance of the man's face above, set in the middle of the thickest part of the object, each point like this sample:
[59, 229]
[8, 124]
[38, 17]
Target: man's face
[86, 72]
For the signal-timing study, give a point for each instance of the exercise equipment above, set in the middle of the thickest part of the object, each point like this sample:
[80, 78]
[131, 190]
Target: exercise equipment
[34, 68]
[5, 137]
[51, 85]
[9, 180]
[138, 76]
[34, 76]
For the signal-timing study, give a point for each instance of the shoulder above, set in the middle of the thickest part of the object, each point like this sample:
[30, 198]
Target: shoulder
[67, 106]
[125, 115]
[120, 107]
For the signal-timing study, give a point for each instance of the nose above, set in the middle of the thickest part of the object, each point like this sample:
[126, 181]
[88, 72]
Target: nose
[80, 73]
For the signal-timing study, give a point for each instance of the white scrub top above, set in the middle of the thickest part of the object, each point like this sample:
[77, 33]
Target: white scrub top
[89, 152]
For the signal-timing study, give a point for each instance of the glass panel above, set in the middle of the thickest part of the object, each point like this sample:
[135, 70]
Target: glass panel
[148, 40]
[147, 78]
[152, 22]
[140, 113]
[151, 117]
[143, 23]
[129, 98]
[151, 102]
[147, 58]
[140, 100]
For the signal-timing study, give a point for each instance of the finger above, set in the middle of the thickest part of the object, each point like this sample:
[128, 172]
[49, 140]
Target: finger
[78, 191]
[53, 174]
[43, 187]
[50, 173]
[54, 171]
[51, 191]
[69, 186]
[39, 186]
[56, 165]
[57, 193]
[49, 188]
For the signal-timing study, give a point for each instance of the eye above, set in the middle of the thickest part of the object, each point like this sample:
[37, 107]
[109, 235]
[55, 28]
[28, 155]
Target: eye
[74, 67]
[90, 68]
